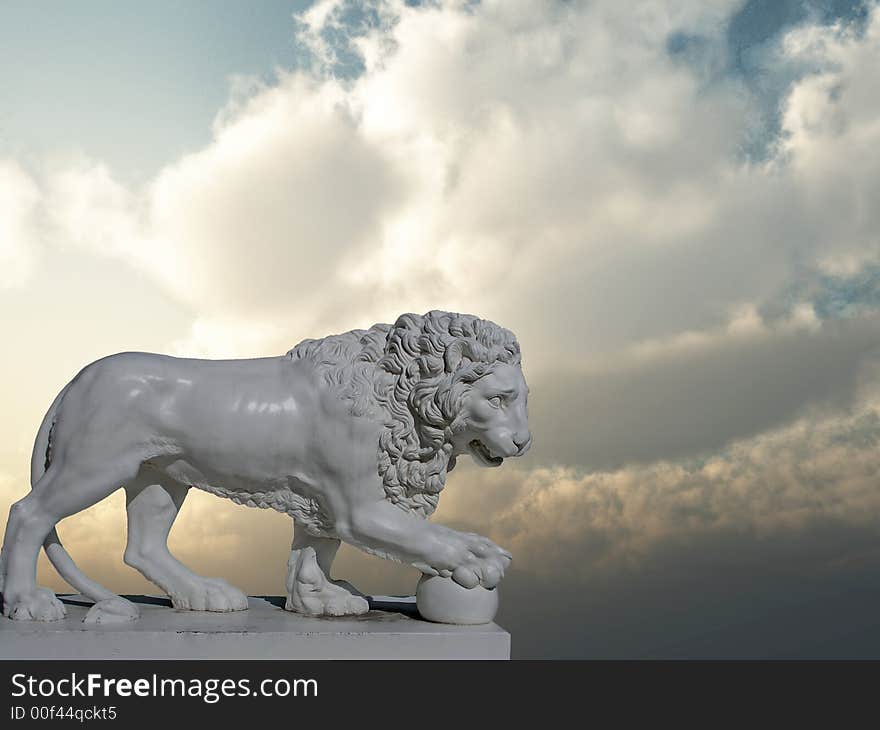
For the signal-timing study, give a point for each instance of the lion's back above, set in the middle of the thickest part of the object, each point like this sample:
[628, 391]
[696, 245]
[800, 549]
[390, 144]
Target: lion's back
[156, 398]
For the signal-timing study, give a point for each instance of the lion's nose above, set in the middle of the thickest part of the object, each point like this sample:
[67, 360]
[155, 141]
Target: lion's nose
[523, 444]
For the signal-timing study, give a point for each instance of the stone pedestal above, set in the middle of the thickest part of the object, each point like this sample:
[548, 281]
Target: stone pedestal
[391, 630]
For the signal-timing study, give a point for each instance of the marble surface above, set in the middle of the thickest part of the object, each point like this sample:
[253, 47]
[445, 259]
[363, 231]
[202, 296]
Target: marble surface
[391, 629]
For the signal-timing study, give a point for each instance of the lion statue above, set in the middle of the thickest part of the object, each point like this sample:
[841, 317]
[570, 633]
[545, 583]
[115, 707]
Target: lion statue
[351, 435]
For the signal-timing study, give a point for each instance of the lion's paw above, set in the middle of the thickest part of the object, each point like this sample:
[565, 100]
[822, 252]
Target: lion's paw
[310, 592]
[38, 604]
[333, 601]
[473, 560]
[112, 611]
[209, 594]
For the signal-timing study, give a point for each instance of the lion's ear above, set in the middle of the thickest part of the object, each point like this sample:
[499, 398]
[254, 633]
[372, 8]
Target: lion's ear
[453, 355]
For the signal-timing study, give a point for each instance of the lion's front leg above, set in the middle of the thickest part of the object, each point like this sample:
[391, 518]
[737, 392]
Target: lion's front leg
[382, 529]
[310, 589]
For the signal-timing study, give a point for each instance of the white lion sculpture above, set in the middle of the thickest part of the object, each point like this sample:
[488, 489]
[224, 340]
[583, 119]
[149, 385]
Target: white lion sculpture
[351, 435]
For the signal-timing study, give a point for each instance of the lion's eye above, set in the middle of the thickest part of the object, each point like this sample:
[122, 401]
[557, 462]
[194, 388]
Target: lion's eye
[495, 401]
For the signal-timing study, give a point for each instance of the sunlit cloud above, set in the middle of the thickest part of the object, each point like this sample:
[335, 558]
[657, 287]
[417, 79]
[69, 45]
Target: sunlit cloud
[19, 237]
[792, 480]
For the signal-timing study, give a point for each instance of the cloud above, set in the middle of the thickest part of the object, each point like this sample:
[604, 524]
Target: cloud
[692, 394]
[19, 242]
[744, 553]
[255, 221]
[810, 474]
[486, 151]
[440, 165]
[265, 216]
[224, 338]
[546, 164]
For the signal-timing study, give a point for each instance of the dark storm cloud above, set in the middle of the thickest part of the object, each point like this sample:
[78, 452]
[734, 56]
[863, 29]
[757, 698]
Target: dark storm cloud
[768, 550]
[814, 594]
[693, 400]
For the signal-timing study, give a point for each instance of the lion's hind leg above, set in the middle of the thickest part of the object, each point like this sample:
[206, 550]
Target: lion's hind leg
[310, 590]
[23, 599]
[63, 490]
[152, 505]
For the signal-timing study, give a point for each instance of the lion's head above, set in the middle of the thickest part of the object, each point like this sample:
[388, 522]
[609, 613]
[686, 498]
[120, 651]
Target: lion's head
[443, 384]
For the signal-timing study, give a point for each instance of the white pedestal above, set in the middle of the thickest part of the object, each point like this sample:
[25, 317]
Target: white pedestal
[391, 630]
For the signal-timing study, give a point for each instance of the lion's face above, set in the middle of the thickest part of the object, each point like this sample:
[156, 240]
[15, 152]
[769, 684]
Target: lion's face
[496, 417]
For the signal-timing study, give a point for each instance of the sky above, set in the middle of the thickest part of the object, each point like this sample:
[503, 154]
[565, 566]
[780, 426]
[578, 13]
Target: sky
[670, 202]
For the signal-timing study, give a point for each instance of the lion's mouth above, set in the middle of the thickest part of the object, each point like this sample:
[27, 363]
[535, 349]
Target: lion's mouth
[481, 453]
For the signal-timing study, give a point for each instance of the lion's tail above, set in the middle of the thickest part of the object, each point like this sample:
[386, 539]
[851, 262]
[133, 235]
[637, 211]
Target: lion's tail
[58, 556]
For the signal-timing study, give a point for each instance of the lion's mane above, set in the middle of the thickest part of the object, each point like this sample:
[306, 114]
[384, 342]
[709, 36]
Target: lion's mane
[413, 376]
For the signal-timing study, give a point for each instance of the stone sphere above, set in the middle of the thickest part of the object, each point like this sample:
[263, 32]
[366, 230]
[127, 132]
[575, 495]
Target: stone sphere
[444, 601]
